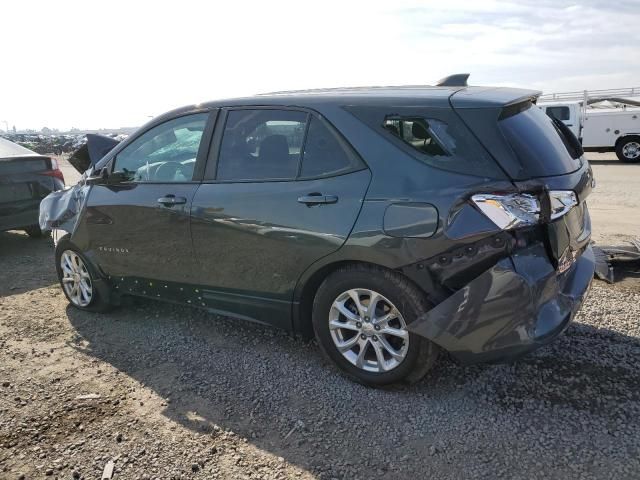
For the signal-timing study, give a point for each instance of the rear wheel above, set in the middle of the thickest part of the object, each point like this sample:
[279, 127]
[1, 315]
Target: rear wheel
[628, 149]
[78, 280]
[360, 319]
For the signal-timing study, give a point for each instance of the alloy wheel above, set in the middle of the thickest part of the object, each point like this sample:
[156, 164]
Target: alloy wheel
[76, 279]
[631, 150]
[368, 330]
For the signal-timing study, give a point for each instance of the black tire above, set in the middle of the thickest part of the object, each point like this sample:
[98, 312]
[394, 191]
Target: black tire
[625, 142]
[404, 295]
[34, 231]
[101, 291]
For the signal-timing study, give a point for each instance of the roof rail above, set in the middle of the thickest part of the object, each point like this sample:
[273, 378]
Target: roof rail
[593, 96]
[455, 80]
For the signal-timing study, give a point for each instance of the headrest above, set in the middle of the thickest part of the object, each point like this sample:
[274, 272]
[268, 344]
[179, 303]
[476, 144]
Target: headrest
[419, 131]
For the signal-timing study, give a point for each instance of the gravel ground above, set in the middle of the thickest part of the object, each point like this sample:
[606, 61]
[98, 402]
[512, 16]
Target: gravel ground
[178, 393]
[169, 392]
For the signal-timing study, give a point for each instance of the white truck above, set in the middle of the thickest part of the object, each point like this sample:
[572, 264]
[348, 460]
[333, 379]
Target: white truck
[603, 120]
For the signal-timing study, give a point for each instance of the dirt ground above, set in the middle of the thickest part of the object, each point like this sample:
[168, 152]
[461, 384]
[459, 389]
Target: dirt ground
[169, 392]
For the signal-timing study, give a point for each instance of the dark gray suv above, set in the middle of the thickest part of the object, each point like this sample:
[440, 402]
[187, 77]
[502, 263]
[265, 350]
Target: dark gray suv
[391, 223]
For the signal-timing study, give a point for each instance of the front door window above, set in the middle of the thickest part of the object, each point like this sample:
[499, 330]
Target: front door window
[166, 153]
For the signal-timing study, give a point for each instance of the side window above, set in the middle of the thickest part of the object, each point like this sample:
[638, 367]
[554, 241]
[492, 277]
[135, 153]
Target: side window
[261, 144]
[419, 133]
[166, 153]
[434, 136]
[325, 153]
[559, 113]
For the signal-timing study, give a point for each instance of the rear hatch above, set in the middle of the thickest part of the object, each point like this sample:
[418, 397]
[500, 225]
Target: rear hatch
[538, 153]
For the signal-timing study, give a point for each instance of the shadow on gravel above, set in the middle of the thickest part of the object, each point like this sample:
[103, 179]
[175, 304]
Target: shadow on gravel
[25, 263]
[281, 395]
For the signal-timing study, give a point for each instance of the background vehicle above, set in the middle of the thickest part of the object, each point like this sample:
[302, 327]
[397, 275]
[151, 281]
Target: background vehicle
[604, 120]
[26, 177]
[373, 218]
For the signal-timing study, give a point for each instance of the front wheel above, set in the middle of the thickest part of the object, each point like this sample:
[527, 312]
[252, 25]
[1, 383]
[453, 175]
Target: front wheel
[360, 318]
[628, 149]
[78, 280]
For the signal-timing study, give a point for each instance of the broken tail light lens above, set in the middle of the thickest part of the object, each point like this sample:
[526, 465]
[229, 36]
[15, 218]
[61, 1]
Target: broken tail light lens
[509, 210]
[513, 210]
[561, 201]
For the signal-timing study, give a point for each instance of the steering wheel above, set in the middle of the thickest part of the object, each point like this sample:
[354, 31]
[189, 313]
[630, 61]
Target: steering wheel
[167, 171]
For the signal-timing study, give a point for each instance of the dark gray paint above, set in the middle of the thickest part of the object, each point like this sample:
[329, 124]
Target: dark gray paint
[512, 308]
[250, 249]
[410, 220]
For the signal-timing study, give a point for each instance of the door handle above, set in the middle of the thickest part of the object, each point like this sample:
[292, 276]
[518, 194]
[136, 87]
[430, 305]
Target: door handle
[316, 198]
[169, 200]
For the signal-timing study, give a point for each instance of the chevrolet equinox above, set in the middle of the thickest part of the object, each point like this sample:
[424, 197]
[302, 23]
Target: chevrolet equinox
[390, 222]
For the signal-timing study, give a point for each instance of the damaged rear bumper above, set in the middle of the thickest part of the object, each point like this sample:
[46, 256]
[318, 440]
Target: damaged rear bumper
[513, 308]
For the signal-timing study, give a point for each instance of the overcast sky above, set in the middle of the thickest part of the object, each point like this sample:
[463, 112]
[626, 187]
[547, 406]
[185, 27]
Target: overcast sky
[108, 64]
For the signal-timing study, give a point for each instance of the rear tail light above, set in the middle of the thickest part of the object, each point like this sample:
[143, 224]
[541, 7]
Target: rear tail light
[54, 171]
[561, 202]
[514, 210]
[511, 210]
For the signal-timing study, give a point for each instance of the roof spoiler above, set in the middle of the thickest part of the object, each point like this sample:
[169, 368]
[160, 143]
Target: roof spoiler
[455, 80]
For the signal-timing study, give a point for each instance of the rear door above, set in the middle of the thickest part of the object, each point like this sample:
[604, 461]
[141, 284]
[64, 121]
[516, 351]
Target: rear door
[139, 227]
[282, 190]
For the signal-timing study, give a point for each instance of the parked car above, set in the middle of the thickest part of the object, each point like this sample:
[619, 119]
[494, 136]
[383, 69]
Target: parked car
[26, 177]
[390, 223]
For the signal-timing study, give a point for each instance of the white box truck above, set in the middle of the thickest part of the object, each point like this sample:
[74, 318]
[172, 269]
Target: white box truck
[603, 120]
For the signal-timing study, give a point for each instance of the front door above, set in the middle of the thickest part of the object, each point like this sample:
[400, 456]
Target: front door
[287, 192]
[139, 227]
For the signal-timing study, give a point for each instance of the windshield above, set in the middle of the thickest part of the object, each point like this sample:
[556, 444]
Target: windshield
[540, 143]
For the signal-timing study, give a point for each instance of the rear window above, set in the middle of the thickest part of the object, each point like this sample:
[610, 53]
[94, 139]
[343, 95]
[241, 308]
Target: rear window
[539, 142]
[23, 165]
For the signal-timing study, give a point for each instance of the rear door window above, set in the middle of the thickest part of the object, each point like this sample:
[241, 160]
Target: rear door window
[539, 142]
[325, 153]
[266, 144]
[261, 144]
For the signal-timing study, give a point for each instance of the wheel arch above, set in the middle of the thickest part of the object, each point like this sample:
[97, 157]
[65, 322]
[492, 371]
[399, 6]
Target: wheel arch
[624, 137]
[308, 285]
